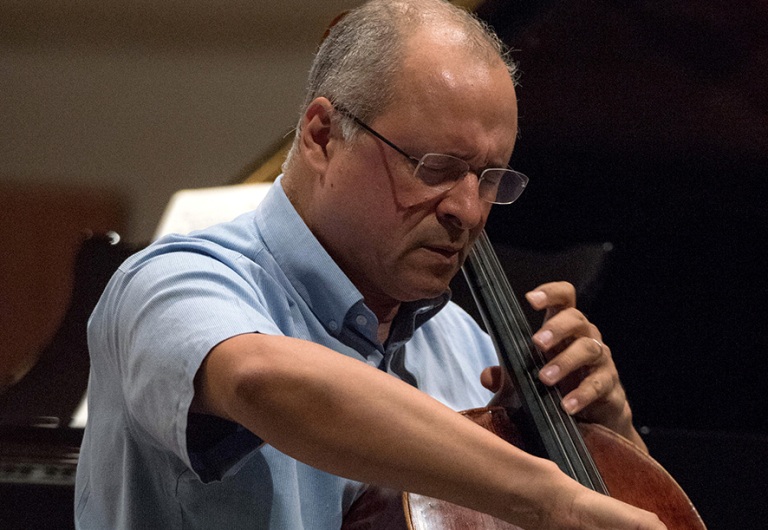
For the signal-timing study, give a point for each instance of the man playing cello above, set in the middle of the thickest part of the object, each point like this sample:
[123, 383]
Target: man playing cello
[263, 372]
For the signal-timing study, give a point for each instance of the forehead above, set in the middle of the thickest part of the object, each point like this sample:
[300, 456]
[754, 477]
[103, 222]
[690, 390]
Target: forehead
[457, 91]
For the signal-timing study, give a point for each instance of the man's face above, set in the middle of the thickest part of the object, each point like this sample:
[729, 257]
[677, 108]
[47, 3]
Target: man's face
[391, 234]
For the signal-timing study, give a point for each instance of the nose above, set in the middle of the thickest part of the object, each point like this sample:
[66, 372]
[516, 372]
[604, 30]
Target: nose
[462, 206]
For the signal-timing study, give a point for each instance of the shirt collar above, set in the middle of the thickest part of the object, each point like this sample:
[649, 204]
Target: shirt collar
[411, 316]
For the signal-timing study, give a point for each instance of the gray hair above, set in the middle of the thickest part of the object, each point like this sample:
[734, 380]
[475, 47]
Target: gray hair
[357, 63]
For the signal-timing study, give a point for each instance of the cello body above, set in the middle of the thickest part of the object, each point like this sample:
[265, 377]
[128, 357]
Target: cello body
[629, 474]
[528, 415]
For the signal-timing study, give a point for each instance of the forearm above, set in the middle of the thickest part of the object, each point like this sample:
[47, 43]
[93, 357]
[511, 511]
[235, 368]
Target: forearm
[352, 420]
[349, 419]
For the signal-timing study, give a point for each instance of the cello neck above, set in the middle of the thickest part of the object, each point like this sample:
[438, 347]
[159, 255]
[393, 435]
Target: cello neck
[548, 430]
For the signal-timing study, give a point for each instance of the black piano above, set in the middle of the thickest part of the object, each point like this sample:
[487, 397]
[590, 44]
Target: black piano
[41, 420]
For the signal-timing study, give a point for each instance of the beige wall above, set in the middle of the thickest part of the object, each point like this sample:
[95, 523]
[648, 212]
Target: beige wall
[143, 98]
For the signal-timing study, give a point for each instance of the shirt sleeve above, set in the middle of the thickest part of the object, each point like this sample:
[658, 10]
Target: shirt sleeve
[448, 353]
[165, 313]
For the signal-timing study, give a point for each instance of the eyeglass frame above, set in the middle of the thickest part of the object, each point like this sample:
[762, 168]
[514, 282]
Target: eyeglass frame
[419, 161]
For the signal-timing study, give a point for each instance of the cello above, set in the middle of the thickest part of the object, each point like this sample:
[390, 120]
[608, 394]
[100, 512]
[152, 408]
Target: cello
[528, 414]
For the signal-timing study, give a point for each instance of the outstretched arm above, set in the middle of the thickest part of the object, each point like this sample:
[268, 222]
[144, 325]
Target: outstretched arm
[347, 418]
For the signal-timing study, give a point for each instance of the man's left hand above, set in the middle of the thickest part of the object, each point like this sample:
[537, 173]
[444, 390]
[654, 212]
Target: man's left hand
[578, 362]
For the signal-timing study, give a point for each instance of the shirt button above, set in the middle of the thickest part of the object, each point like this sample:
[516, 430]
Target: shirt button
[333, 325]
[361, 320]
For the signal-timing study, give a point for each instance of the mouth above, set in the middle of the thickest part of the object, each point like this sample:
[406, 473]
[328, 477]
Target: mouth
[447, 251]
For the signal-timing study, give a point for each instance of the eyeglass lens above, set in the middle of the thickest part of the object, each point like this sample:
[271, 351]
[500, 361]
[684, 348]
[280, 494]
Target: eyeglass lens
[443, 172]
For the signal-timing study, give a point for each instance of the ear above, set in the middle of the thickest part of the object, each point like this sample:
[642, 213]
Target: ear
[316, 134]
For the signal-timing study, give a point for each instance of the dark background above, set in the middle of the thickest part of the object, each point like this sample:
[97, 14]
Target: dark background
[645, 124]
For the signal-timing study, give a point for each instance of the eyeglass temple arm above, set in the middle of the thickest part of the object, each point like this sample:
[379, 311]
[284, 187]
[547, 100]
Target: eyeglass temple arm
[365, 126]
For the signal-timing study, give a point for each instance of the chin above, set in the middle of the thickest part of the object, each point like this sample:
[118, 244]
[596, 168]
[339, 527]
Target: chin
[423, 288]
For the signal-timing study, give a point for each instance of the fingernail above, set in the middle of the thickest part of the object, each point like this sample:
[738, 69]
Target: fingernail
[550, 373]
[571, 405]
[544, 337]
[536, 297]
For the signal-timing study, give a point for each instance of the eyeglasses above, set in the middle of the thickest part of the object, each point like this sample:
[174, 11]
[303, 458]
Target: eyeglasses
[442, 172]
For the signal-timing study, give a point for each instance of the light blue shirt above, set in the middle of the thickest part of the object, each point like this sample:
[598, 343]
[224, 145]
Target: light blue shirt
[146, 462]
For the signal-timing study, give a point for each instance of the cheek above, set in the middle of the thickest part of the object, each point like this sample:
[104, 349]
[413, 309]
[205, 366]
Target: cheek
[375, 215]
